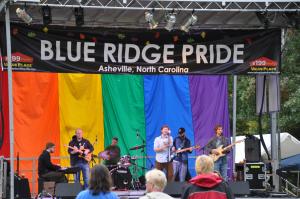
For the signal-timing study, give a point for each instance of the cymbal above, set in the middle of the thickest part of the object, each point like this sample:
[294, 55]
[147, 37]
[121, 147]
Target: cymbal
[137, 147]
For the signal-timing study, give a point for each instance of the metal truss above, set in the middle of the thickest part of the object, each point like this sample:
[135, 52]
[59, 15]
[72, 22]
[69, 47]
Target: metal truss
[180, 5]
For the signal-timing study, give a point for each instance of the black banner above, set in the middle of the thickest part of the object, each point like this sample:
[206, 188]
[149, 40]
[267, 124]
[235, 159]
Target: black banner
[140, 51]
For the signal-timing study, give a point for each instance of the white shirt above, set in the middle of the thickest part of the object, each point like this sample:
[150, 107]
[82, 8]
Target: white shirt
[163, 156]
[156, 195]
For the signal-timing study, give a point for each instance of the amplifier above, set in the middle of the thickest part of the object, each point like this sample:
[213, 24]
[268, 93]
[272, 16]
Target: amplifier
[255, 174]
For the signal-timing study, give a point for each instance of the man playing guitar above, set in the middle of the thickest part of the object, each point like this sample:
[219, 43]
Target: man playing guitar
[212, 148]
[79, 150]
[180, 161]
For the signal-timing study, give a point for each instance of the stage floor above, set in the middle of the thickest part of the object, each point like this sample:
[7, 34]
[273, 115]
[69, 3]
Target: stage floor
[138, 193]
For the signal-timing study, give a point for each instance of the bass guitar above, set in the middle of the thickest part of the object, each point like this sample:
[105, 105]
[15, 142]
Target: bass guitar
[220, 150]
[87, 157]
[175, 153]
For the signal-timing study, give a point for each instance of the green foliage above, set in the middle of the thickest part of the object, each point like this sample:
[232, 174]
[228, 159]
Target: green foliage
[289, 119]
[247, 119]
[289, 115]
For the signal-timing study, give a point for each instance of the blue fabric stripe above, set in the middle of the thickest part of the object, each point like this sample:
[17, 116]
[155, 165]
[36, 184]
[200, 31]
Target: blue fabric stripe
[167, 101]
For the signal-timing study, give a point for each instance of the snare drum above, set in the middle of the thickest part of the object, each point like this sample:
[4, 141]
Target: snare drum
[121, 178]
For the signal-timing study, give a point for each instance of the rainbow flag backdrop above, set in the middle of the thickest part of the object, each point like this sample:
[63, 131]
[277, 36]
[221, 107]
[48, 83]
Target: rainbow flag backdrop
[50, 106]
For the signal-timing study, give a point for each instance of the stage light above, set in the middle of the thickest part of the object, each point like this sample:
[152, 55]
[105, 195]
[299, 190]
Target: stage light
[150, 19]
[189, 23]
[22, 14]
[79, 16]
[171, 20]
[47, 17]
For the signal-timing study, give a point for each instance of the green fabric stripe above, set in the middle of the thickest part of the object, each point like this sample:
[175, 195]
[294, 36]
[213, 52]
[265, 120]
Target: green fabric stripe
[123, 99]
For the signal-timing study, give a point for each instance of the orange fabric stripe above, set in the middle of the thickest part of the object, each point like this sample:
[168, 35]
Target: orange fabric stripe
[36, 117]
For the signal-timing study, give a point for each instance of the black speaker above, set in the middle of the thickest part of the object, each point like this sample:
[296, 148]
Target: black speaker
[239, 188]
[21, 188]
[67, 190]
[175, 189]
[252, 149]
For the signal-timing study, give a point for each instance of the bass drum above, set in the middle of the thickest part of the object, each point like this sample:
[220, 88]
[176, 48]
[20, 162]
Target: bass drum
[122, 178]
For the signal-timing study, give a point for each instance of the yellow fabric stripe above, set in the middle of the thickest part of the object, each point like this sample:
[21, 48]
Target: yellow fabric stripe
[80, 106]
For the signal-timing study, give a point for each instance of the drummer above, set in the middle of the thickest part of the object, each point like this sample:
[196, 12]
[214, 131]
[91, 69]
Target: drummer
[113, 152]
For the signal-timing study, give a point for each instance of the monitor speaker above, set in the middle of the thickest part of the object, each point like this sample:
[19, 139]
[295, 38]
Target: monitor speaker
[67, 190]
[252, 149]
[175, 189]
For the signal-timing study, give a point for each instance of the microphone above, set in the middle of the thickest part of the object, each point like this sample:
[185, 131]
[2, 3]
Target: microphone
[137, 133]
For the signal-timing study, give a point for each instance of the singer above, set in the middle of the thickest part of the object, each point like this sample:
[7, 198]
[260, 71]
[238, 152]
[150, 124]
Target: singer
[162, 146]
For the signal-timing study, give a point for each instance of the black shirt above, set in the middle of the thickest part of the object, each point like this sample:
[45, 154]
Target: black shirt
[114, 153]
[45, 165]
[82, 143]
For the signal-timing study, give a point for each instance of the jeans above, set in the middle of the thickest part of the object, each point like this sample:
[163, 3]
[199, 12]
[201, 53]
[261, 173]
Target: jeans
[84, 167]
[221, 166]
[181, 168]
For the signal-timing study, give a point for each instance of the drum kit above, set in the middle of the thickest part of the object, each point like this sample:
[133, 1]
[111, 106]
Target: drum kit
[121, 173]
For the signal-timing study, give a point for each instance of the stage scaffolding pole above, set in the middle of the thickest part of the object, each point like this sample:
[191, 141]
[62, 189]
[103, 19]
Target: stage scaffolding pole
[234, 118]
[10, 102]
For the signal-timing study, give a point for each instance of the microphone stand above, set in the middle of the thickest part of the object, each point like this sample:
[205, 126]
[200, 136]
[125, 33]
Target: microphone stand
[143, 152]
[93, 159]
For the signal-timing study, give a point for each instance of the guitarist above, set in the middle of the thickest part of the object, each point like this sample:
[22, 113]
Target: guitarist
[80, 148]
[180, 161]
[211, 148]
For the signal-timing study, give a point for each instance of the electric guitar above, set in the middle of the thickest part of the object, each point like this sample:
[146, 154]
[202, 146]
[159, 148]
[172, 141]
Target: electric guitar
[175, 153]
[87, 157]
[221, 150]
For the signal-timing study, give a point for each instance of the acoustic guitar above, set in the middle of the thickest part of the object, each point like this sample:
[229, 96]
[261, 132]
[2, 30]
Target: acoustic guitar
[221, 150]
[87, 157]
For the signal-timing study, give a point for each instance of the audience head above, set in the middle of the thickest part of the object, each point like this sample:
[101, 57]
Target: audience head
[100, 179]
[155, 180]
[204, 164]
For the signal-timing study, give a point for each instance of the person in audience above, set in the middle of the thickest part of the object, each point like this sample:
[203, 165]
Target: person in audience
[100, 184]
[155, 183]
[207, 184]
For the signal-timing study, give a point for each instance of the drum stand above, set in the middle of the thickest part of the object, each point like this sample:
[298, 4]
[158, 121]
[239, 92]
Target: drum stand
[136, 184]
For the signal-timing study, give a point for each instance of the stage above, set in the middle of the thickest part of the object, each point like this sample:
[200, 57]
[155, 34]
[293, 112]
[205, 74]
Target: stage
[253, 195]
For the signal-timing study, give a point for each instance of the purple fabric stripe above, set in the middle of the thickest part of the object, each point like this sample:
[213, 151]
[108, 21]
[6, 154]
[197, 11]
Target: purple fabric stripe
[209, 102]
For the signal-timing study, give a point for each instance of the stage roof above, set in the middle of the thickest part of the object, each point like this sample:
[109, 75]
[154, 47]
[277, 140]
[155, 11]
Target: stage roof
[130, 13]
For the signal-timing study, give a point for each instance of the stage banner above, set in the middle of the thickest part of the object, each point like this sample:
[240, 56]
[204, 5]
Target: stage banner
[140, 51]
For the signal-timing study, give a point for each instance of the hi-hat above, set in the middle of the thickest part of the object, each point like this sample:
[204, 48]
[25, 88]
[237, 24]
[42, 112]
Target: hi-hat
[137, 147]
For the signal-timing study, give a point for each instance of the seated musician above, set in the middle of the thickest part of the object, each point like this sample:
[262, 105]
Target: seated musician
[80, 150]
[47, 170]
[112, 154]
